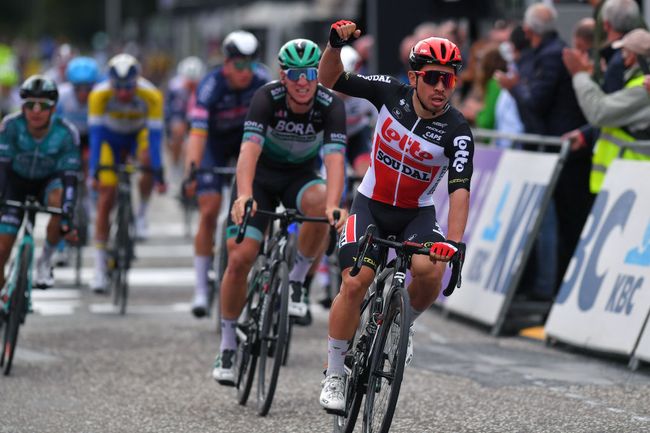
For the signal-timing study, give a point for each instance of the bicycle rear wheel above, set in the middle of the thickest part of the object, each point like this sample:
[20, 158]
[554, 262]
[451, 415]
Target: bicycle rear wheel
[273, 336]
[356, 371]
[17, 311]
[387, 364]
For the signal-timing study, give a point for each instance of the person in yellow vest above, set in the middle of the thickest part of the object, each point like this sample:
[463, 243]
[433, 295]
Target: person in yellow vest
[623, 116]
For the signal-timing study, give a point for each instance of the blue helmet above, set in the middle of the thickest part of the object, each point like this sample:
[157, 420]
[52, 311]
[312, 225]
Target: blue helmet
[82, 70]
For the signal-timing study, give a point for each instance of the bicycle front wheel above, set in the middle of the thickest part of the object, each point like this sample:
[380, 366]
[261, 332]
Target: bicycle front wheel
[387, 364]
[248, 333]
[17, 310]
[273, 336]
[124, 249]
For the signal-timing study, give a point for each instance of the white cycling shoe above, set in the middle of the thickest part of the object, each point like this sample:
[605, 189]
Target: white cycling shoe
[44, 276]
[332, 396]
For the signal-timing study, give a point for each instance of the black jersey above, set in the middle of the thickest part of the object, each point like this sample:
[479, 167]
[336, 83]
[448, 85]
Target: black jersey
[410, 155]
[288, 139]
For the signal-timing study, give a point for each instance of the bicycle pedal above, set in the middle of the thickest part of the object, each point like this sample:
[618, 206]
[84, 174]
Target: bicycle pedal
[335, 412]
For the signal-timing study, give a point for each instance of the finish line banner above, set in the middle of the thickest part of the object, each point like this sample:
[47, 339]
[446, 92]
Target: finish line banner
[605, 298]
[502, 230]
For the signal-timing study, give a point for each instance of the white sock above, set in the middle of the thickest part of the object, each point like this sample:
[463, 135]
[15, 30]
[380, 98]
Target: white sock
[228, 335]
[100, 259]
[48, 250]
[201, 266]
[142, 208]
[414, 313]
[336, 351]
[300, 267]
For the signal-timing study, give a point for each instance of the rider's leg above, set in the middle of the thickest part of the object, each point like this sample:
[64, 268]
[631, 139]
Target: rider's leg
[145, 187]
[105, 201]
[44, 277]
[425, 285]
[344, 316]
[209, 205]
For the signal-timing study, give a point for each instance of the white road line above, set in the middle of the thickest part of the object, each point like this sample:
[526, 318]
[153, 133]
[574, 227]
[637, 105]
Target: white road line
[167, 277]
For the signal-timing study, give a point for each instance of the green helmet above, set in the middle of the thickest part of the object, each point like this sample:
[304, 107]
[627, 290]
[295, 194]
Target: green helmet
[299, 53]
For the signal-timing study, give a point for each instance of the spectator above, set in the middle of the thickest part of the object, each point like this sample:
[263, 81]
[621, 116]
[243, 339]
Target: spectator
[624, 116]
[583, 35]
[489, 87]
[619, 17]
[548, 96]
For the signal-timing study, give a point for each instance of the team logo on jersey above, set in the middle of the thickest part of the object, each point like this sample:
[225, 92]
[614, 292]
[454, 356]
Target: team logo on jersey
[250, 125]
[349, 233]
[397, 165]
[295, 128]
[382, 78]
[432, 136]
[389, 135]
[338, 137]
[396, 112]
[281, 114]
[461, 155]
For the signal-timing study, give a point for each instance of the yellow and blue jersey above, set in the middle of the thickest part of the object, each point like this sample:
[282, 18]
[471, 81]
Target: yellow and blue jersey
[123, 126]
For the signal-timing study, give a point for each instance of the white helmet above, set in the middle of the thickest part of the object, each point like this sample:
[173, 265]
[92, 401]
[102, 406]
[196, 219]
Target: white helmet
[191, 68]
[239, 44]
[123, 67]
[350, 58]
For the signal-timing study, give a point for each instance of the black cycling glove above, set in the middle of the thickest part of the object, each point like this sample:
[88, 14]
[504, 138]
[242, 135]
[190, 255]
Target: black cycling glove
[335, 39]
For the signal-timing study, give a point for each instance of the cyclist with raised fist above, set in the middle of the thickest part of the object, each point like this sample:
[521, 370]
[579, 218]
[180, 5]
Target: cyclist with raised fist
[418, 138]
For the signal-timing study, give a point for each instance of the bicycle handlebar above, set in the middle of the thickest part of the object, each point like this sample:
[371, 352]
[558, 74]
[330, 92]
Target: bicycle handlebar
[409, 248]
[32, 205]
[290, 215]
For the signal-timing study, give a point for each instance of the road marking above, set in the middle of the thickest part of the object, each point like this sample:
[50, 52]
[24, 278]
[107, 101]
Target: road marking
[167, 277]
[33, 356]
[109, 308]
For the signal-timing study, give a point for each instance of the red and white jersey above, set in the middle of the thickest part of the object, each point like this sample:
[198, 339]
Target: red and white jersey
[410, 155]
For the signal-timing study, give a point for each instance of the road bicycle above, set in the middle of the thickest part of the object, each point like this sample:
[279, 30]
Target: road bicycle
[82, 222]
[374, 365]
[121, 246]
[264, 328]
[15, 297]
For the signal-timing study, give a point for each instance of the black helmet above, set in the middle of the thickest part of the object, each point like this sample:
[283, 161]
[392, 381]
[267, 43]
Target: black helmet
[239, 44]
[38, 86]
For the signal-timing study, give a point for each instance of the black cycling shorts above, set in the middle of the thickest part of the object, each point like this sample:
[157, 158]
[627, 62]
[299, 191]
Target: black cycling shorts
[18, 188]
[270, 188]
[416, 225]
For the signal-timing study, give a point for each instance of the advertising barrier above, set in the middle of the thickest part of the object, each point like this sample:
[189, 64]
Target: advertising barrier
[604, 300]
[503, 235]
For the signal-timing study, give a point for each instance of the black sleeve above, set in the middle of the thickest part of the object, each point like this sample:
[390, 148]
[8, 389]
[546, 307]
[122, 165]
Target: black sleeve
[5, 163]
[460, 151]
[258, 118]
[375, 88]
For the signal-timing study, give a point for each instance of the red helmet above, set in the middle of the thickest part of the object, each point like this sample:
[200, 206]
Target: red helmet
[435, 51]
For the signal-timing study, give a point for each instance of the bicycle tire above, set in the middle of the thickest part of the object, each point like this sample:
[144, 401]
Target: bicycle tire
[124, 252]
[248, 350]
[395, 326]
[17, 310]
[273, 336]
[81, 223]
[356, 372]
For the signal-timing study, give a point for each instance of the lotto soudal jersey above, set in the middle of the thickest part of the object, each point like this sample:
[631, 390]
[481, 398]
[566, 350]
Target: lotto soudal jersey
[410, 155]
[288, 139]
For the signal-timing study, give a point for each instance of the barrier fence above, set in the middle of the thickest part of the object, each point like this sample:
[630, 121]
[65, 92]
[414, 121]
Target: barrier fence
[604, 300]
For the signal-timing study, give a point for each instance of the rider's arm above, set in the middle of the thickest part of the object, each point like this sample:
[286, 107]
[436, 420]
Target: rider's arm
[96, 110]
[458, 213]
[460, 152]
[330, 67]
[199, 116]
[69, 166]
[246, 163]
[335, 140]
[5, 154]
[154, 100]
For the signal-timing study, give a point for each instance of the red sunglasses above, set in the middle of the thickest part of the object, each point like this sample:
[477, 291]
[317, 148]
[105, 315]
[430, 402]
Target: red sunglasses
[432, 77]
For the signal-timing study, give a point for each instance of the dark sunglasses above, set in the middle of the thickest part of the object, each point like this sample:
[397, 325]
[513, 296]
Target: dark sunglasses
[83, 87]
[242, 65]
[294, 74]
[123, 85]
[43, 105]
[432, 77]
